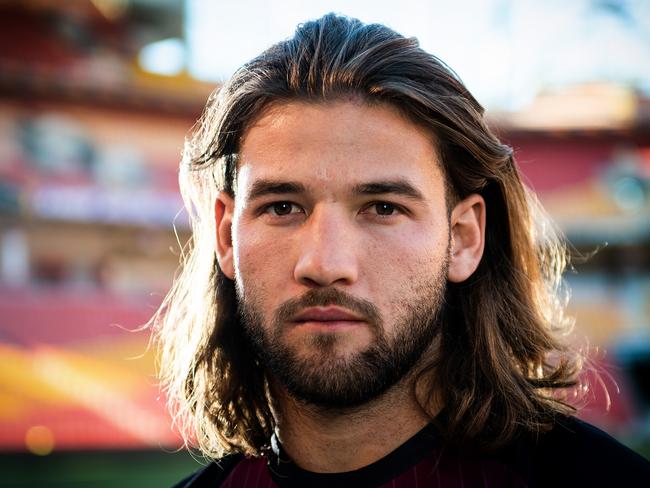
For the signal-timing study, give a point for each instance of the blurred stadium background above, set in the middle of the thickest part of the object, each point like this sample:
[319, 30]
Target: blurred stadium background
[96, 98]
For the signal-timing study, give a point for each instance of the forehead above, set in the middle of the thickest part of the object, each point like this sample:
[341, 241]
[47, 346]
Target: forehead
[337, 143]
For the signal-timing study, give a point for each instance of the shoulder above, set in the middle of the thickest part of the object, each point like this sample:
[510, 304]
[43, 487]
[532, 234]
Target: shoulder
[575, 453]
[212, 474]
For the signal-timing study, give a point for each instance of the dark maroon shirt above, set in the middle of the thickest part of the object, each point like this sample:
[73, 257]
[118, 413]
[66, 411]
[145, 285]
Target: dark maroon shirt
[573, 454]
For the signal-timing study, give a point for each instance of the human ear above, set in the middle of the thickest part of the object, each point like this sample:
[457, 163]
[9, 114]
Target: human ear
[467, 238]
[224, 207]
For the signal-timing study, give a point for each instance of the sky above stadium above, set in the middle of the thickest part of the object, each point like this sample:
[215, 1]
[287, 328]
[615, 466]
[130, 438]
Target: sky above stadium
[505, 51]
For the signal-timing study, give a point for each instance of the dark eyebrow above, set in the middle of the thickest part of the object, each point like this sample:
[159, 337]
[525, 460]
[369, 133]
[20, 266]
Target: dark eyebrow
[398, 187]
[269, 187]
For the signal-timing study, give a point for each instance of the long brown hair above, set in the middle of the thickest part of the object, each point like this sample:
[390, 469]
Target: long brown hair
[502, 358]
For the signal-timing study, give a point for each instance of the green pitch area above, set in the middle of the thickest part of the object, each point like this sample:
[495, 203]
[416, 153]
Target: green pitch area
[124, 469]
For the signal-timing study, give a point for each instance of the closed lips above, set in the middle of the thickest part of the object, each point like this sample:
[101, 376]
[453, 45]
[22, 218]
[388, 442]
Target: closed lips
[326, 314]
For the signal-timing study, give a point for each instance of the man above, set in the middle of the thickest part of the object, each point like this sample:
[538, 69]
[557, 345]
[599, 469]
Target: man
[371, 294]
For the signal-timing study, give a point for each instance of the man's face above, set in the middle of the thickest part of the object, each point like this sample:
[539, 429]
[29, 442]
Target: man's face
[340, 243]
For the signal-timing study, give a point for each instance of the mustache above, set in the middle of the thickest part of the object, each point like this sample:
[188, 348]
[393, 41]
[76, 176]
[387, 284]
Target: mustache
[322, 297]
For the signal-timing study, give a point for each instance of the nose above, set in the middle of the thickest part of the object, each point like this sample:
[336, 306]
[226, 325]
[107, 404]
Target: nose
[327, 250]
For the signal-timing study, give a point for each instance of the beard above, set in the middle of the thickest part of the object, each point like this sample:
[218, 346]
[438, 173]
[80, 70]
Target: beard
[333, 381]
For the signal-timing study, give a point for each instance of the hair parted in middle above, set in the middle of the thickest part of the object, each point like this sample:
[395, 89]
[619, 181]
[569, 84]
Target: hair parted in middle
[501, 358]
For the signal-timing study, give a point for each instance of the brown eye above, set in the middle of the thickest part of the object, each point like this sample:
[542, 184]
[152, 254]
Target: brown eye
[384, 208]
[281, 209]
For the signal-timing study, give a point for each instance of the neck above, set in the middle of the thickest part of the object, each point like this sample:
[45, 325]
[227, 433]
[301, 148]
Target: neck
[328, 441]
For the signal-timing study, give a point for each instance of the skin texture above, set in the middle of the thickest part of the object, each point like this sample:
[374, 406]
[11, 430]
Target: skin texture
[387, 254]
